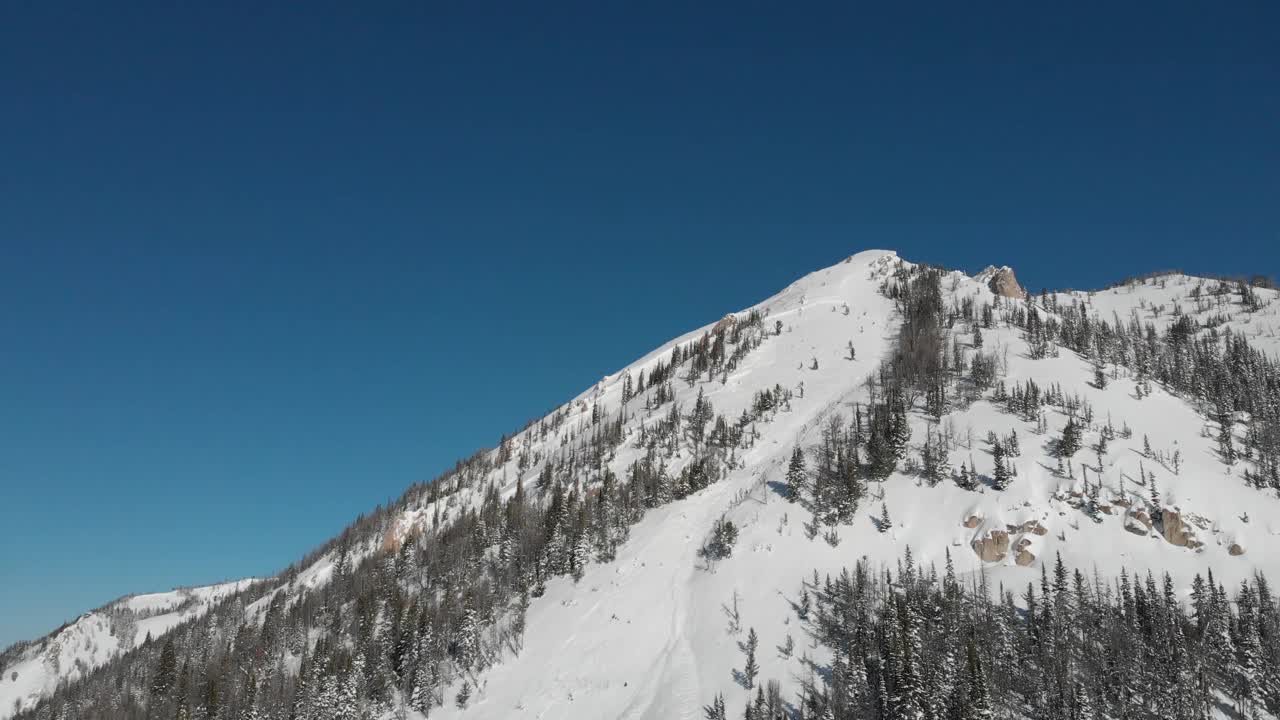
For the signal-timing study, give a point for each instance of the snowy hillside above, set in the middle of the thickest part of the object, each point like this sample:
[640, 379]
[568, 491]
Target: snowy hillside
[585, 567]
[645, 636]
[98, 636]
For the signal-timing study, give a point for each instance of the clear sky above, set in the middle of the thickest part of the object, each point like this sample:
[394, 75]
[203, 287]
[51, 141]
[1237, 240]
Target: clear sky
[262, 268]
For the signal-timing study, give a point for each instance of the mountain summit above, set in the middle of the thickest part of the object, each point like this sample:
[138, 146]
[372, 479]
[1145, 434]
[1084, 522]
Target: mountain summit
[889, 490]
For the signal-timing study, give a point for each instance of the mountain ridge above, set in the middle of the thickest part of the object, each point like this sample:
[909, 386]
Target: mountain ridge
[810, 350]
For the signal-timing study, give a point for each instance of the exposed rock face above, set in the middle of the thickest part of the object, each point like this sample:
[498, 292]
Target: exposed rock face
[972, 522]
[1138, 522]
[1030, 526]
[724, 324]
[1024, 557]
[1236, 549]
[993, 547]
[1003, 282]
[1176, 531]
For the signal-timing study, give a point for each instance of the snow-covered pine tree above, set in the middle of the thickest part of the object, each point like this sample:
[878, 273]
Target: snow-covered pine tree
[750, 669]
[797, 478]
[716, 710]
[1069, 443]
[1000, 477]
[464, 695]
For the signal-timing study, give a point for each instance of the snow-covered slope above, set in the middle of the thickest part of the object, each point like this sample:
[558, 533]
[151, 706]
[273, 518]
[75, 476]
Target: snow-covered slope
[96, 637]
[1161, 299]
[645, 636]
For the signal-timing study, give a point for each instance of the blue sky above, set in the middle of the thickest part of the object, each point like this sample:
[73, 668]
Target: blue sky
[263, 267]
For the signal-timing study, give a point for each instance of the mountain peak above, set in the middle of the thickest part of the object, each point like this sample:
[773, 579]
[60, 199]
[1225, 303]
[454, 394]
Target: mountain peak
[874, 411]
[867, 257]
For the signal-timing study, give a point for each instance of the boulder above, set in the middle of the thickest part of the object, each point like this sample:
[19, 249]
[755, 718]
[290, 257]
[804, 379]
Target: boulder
[1235, 549]
[1024, 556]
[993, 547]
[972, 522]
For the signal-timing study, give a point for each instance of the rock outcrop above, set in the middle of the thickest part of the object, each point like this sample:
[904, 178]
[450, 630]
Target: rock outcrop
[1024, 556]
[1030, 526]
[724, 324]
[1003, 282]
[1138, 522]
[993, 547]
[1236, 549]
[1176, 531]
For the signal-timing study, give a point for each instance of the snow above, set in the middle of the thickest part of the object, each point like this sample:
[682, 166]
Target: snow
[647, 635]
[1155, 300]
[97, 637]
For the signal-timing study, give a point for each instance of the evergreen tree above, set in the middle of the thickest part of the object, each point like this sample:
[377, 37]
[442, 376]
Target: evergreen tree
[464, 695]
[716, 710]
[749, 667]
[1099, 371]
[420, 697]
[723, 536]
[797, 479]
[164, 678]
[968, 478]
[1001, 477]
[977, 705]
[1069, 443]
[468, 638]
[934, 460]
[909, 701]
[1226, 448]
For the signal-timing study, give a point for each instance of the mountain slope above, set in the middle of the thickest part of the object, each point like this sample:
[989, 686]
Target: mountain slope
[645, 636]
[565, 573]
[97, 637]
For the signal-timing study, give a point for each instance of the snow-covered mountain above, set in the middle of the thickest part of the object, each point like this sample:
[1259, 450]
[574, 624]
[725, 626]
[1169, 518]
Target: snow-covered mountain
[644, 636]
[619, 599]
[71, 652]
